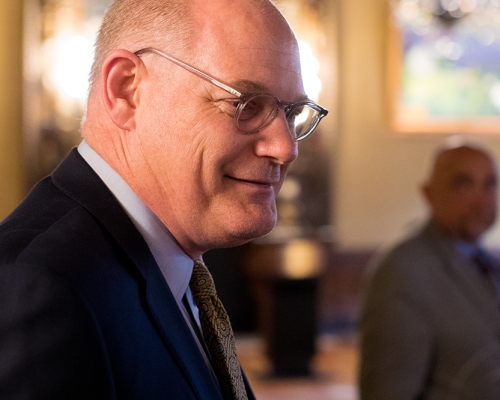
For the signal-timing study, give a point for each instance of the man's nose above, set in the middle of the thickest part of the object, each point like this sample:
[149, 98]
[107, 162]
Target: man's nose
[276, 141]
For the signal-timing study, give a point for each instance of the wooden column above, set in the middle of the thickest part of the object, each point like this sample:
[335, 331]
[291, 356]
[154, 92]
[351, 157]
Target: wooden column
[11, 87]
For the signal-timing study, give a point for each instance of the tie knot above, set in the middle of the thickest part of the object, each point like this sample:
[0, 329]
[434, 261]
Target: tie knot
[201, 283]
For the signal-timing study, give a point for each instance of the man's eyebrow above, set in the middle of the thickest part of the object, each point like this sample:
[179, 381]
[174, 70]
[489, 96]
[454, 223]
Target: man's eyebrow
[247, 86]
[301, 97]
[461, 177]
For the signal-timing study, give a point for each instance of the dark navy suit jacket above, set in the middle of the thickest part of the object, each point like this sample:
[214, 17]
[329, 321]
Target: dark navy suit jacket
[85, 312]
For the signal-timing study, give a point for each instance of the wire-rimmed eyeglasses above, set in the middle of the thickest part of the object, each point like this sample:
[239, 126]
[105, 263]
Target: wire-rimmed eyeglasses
[256, 110]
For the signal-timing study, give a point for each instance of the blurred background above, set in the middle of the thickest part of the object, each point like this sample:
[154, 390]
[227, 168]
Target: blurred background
[400, 78]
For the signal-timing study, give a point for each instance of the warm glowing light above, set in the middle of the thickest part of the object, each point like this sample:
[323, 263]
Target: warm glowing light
[310, 68]
[302, 259]
[409, 9]
[495, 95]
[421, 62]
[73, 55]
[290, 189]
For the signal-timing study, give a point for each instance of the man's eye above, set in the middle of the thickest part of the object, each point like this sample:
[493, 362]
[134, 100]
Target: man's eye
[293, 114]
[251, 109]
[229, 106]
[462, 183]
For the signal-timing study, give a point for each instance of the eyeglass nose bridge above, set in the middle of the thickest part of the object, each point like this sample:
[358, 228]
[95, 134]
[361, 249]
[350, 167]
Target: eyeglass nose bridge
[279, 105]
[286, 106]
[266, 121]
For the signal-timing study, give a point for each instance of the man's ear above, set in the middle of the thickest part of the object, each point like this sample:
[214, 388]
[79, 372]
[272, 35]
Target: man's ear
[119, 87]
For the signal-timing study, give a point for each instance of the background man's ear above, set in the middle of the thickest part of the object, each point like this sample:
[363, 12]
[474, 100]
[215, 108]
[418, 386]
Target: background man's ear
[426, 191]
[119, 85]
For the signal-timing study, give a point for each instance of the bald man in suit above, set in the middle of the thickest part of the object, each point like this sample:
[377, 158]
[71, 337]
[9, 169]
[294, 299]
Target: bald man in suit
[193, 117]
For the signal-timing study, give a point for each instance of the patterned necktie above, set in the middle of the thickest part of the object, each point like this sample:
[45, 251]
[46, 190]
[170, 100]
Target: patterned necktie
[217, 333]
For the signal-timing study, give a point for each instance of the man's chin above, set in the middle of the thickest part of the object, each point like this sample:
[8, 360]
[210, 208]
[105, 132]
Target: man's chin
[473, 233]
[257, 232]
[239, 239]
[235, 226]
[257, 229]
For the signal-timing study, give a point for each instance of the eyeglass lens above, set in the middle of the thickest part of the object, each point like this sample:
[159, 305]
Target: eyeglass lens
[259, 110]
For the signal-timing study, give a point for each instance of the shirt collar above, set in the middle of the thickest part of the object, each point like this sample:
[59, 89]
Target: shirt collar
[174, 264]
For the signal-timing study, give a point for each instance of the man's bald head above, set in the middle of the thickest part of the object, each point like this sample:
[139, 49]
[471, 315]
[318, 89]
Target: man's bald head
[132, 24]
[171, 25]
[461, 191]
[172, 135]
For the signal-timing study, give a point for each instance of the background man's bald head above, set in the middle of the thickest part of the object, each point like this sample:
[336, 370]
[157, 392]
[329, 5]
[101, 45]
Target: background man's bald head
[448, 159]
[461, 191]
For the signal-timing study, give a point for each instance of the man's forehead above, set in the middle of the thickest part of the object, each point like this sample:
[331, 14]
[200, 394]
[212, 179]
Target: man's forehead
[249, 45]
[260, 70]
[481, 167]
[253, 28]
[460, 158]
[276, 56]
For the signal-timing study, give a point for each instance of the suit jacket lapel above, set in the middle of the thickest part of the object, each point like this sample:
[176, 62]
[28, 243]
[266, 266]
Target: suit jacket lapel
[464, 274]
[76, 179]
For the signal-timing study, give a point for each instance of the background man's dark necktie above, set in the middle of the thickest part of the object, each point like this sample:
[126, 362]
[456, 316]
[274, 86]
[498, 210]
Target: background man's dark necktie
[486, 266]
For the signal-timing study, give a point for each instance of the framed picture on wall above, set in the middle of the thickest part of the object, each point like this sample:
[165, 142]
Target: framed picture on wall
[444, 66]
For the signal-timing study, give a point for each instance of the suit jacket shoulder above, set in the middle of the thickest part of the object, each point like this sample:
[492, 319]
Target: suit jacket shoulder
[429, 319]
[89, 313]
[409, 264]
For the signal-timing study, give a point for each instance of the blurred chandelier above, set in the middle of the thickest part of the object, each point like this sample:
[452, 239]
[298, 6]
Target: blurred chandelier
[453, 18]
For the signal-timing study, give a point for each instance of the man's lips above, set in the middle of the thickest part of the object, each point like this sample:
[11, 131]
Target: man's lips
[255, 181]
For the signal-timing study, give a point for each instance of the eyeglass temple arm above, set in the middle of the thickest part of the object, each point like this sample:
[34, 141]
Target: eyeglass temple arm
[190, 69]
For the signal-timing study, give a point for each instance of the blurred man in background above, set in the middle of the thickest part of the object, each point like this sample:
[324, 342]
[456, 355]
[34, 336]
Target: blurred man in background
[431, 320]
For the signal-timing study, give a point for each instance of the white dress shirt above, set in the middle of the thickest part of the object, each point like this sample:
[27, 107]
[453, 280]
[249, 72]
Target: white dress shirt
[174, 264]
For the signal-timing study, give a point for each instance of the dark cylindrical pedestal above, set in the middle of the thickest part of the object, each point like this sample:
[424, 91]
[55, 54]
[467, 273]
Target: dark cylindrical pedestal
[284, 279]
